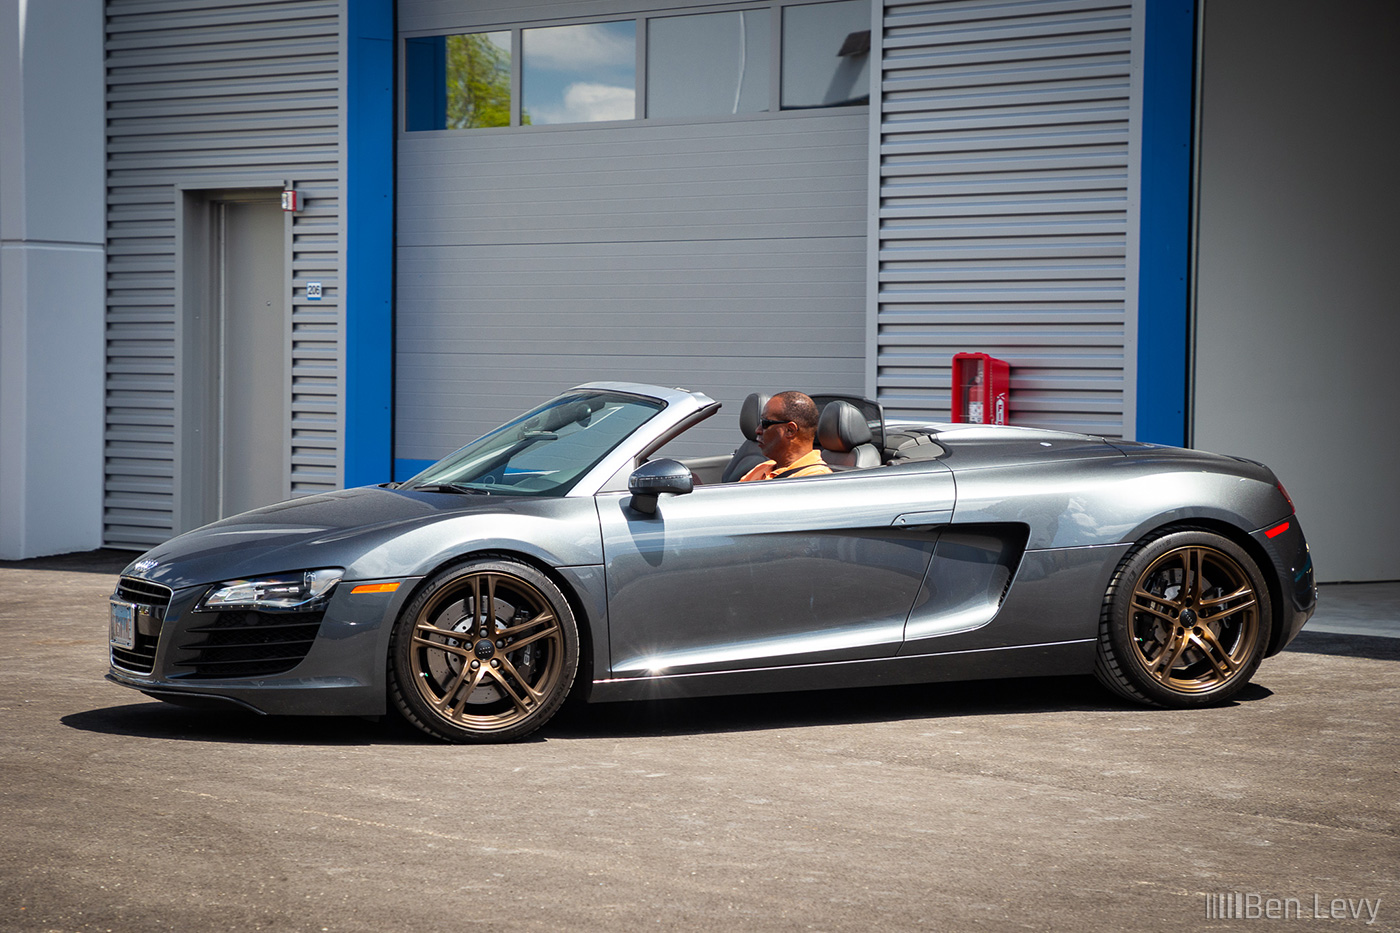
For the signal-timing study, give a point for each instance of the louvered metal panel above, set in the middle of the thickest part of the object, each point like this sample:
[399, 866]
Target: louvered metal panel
[1005, 206]
[200, 92]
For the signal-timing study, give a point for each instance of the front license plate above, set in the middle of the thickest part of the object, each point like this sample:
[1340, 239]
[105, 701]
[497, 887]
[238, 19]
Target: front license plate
[123, 630]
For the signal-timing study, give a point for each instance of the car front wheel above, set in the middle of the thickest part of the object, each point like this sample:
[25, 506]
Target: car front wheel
[485, 653]
[1185, 621]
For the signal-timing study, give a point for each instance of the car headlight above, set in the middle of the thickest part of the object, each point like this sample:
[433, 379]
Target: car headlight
[285, 592]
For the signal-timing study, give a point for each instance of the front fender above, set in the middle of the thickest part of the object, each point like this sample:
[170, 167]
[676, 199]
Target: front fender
[553, 532]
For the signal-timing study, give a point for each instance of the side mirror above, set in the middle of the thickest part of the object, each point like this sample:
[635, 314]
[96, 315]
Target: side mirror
[657, 478]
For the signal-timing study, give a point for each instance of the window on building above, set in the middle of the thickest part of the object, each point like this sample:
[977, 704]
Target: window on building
[708, 64]
[702, 64]
[579, 74]
[826, 54]
[457, 82]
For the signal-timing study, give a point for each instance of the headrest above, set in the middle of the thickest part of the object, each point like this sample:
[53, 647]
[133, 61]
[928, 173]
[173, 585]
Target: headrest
[750, 413]
[842, 428]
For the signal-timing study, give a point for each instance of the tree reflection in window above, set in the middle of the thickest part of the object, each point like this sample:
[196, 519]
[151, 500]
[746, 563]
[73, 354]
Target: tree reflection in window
[459, 81]
[478, 80]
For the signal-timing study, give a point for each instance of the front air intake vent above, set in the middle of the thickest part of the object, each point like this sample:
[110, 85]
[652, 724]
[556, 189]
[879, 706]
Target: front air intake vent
[246, 643]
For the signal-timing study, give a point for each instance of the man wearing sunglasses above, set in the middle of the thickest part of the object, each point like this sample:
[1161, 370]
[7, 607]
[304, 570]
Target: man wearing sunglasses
[786, 434]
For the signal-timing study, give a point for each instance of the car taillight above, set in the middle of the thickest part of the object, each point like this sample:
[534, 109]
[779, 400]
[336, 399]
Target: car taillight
[1287, 498]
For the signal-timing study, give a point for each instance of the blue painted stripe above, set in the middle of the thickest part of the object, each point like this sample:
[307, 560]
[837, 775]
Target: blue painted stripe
[368, 289]
[406, 469]
[1164, 251]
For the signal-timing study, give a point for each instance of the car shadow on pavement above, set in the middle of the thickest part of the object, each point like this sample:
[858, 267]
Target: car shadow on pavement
[848, 706]
[156, 720]
[691, 716]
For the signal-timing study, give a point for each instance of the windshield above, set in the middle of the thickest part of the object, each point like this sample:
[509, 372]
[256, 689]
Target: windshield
[544, 451]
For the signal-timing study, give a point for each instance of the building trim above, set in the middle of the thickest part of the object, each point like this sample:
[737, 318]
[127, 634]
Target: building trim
[368, 238]
[1164, 271]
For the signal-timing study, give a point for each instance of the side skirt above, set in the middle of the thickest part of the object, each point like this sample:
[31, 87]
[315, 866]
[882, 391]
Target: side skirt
[1068, 657]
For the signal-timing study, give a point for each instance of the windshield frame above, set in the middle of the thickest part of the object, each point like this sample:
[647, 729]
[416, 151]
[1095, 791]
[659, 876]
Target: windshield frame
[480, 466]
[681, 406]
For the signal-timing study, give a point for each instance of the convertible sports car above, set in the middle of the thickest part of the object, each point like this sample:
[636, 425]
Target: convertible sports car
[555, 555]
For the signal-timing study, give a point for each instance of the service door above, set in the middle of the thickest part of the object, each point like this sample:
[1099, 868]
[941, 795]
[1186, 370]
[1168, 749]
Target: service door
[253, 354]
[762, 574]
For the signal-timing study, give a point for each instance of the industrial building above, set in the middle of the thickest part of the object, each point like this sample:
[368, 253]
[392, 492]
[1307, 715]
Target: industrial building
[254, 250]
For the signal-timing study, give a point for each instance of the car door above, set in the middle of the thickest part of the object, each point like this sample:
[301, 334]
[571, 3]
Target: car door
[781, 572]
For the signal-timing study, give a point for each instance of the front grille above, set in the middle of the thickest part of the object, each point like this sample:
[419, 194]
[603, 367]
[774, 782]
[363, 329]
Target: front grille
[246, 643]
[143, 592]
[154, 600]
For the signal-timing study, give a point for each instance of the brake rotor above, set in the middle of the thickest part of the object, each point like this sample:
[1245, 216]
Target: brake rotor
[445, 667]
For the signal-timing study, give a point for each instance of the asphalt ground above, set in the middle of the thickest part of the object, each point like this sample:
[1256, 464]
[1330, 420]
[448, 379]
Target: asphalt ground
[1040, 804]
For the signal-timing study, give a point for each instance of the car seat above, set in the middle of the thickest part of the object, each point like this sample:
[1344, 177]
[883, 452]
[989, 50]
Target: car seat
[844, 436]
[748, 454]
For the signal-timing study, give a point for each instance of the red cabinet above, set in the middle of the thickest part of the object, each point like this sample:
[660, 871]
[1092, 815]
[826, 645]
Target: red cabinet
[980, 389]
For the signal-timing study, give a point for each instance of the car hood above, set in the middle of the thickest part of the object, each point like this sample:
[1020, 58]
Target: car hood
[329, 530]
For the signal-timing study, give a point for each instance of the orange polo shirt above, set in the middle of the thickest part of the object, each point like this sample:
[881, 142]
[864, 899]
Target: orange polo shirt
[810, 465]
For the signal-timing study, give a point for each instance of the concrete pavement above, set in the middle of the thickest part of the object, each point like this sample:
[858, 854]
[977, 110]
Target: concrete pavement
[1040, 804]
[1358, 609]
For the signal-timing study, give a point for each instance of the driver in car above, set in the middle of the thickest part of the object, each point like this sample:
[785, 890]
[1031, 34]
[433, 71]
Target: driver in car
[786, 434]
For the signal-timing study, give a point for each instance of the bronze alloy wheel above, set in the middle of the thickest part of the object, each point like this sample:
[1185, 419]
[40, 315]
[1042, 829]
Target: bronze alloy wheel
[485, 653]
[1185, 622]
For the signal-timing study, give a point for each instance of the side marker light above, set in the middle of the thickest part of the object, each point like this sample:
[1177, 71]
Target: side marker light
[375, 588]
[1271, 533]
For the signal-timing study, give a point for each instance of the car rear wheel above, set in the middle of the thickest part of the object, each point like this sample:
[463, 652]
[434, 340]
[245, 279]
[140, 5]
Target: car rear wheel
[485, 653]
[1185, 621]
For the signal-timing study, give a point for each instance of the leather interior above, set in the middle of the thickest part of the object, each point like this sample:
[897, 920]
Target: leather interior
[748, 454]
[750, 413]
[844, 437]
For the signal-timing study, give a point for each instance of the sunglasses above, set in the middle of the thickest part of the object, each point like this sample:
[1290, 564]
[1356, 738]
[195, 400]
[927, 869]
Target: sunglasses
[765, 423]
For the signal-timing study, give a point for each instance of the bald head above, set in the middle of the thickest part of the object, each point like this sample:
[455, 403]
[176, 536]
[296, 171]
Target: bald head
[798, 408]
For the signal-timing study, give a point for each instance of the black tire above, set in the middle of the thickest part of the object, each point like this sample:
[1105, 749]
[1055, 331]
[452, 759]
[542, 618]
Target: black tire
[1185, 621]
[486, 652]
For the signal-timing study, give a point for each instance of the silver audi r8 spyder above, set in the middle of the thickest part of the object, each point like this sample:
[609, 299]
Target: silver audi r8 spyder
[564, 553]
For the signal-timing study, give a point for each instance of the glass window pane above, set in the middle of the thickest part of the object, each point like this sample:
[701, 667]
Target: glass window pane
[545, 451]
[826, 54]
[457, 82]
[712, 63]
[579, 74]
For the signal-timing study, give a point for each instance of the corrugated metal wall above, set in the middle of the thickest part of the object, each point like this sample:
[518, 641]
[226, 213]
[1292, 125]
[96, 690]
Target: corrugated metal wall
[1007, 206]
[214, 95]
[725, 256]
